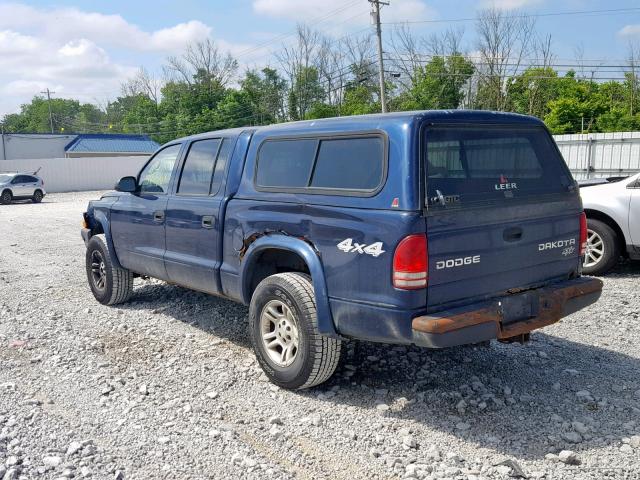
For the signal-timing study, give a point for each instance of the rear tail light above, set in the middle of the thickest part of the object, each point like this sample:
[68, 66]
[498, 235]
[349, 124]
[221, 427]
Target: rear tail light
[583, 233]
[411, 263]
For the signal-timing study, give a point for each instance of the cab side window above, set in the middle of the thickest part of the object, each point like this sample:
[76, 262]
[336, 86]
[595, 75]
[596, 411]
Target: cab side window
[156, 175]
[346, 165]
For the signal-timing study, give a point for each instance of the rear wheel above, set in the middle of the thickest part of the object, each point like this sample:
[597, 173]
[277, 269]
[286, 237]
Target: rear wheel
[6, 197]
[37, 196]
[110, 284]
[284, 333]
[602, 252]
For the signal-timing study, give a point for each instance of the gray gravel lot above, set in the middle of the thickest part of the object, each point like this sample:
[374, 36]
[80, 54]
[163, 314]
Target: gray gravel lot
[166, 386]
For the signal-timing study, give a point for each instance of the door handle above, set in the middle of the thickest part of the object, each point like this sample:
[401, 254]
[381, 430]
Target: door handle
[207, 221]
[158, 216]
[512, 234]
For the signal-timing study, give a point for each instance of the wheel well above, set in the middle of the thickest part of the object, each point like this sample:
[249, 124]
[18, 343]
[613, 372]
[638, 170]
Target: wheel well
[604, 218]
[272, 261]
[97, 229]
[37, 190]
[7, 190]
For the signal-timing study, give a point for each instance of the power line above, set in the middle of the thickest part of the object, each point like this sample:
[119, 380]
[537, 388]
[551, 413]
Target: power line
[616, 11]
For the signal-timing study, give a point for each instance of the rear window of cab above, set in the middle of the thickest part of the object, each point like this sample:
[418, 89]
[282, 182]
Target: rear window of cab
[345, 165]
[470, 164]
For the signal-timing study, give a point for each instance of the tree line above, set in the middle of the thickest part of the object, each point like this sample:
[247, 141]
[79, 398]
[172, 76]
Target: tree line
[511, 68]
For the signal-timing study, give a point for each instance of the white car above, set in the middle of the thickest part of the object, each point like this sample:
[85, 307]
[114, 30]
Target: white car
[21, 186]
[613, 223]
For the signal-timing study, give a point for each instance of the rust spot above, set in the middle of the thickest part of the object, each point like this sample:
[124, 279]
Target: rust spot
[247, 242]
[550, 309]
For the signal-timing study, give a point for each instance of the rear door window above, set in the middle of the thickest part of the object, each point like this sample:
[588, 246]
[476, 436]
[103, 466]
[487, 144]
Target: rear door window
[473, 164]
[221, 164]
[197, 171]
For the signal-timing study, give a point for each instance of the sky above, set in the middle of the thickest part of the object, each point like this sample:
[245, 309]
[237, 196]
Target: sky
[86, 49]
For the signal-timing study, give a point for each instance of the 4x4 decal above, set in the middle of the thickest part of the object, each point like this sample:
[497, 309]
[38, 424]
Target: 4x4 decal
[349, 246]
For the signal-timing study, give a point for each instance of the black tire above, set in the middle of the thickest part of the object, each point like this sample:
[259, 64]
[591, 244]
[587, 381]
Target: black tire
[6, 197]
[37, 196]
[117, 283]
[610, 248]
[316, 356]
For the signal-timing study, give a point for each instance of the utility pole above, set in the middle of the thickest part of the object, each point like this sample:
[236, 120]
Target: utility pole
[375, 17]
[4, 152]
[48, 92]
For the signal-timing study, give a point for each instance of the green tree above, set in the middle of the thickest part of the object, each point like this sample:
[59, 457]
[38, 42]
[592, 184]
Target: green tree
[133, 114]
[266, 91]
[305, 92]
[438, 84]
[530, 92]
[68, 115]
[579, 102]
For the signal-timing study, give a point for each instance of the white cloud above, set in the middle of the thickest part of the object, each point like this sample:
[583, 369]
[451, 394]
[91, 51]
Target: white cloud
[64, 24]
[14, 43]
[630, 30]
[332, 12]
[179, 35]
[78, 68]
[510, 4]
[72, 51]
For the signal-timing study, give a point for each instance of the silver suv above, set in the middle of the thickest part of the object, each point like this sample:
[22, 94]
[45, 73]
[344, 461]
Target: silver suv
[21, 186]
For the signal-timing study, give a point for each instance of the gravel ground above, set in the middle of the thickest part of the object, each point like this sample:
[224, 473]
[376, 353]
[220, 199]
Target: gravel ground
[166, 386]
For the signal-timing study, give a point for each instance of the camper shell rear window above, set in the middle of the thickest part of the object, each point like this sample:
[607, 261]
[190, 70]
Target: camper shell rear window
[469, 164]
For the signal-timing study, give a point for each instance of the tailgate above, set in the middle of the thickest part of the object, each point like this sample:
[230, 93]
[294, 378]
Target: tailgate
[502, 212]
[484, 253]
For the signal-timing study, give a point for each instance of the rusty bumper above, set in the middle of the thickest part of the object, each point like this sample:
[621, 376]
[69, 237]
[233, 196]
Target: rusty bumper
[506, 317]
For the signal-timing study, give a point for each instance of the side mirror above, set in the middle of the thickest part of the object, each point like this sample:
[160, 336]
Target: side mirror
[127, 184]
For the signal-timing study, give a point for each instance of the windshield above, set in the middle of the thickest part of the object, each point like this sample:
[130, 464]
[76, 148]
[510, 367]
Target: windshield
[469, 164]
[5, 178]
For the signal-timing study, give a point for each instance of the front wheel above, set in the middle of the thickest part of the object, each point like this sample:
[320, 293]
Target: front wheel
[6, 197]
[284, 331]
[110, 284]
[602, 252]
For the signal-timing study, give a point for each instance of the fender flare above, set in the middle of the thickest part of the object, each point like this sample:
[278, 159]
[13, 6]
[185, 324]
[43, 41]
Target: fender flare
[101, 218]
[308, 254]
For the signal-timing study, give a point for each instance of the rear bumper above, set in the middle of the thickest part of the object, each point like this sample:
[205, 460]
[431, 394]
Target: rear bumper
[505, 317]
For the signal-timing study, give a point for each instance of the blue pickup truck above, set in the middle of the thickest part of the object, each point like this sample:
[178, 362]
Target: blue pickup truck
[437, 229]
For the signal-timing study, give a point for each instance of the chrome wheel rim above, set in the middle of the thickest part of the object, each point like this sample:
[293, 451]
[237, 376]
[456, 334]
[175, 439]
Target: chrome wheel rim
[98, 270]
[38, 196]
[6, 197]
[594, 251]
[279, 332]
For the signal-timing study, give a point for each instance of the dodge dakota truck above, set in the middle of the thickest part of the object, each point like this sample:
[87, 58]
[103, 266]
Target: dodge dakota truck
[433, 228]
